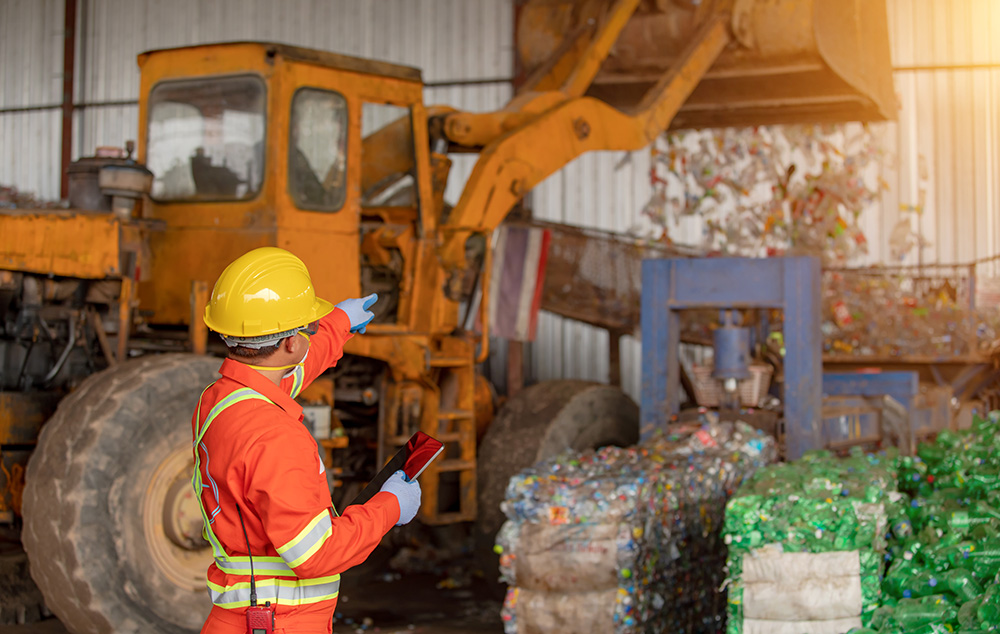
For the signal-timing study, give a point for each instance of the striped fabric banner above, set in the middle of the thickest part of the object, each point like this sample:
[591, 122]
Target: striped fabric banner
[517, 276]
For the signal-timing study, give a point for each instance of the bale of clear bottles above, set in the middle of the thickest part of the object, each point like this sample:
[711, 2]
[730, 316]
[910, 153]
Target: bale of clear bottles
[626, 540]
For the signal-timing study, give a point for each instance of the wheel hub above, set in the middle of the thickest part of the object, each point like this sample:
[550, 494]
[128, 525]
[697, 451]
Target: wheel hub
[172, 523]
[182, 521]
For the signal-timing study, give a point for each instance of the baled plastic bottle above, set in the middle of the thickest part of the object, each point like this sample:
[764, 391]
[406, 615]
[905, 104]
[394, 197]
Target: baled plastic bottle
[968, 614]
[911, 613]
[961, 583]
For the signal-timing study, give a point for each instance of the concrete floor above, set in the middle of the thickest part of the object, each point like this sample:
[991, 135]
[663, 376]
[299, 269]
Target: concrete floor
[395, 591]
[411, 604]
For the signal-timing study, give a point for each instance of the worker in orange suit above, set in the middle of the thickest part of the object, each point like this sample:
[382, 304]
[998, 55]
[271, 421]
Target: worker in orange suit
[260, 480]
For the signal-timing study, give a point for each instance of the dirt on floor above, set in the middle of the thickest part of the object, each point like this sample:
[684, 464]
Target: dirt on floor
[420, 580]
[420, 586]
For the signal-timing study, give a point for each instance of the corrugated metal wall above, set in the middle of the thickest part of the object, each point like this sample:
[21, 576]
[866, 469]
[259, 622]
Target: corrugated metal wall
[945, 143]
[450, 40]
[31, 53]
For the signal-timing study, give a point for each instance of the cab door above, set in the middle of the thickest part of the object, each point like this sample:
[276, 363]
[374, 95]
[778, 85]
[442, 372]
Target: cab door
[355, 236]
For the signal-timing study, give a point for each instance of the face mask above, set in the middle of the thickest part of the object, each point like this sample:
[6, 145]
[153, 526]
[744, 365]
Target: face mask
[290, 368]
[300, 364]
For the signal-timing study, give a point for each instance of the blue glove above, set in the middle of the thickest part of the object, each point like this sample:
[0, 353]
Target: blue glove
[407, 494]
[357, 311]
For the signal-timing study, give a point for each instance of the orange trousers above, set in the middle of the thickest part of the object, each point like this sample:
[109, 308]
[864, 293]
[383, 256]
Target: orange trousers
[222, 621]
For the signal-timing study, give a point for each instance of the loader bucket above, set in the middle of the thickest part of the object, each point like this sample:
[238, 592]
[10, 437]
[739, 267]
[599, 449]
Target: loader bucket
[788, 61]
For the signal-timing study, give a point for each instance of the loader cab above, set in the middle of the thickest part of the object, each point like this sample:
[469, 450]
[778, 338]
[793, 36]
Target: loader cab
[255, 144]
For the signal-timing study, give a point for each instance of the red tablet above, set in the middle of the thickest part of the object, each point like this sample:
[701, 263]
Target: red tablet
[420, 451]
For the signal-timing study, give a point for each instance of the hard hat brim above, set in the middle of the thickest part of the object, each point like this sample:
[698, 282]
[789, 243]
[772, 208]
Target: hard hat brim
[320, 308]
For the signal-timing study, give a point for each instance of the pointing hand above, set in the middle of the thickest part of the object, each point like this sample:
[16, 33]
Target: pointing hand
[357, 311]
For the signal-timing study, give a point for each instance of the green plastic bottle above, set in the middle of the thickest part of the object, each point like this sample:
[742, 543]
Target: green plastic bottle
[985, 556]
[988, 611]
[957, 555]
[967, 614]
[883, 618]
[984, 532]
[902, 527]
[898, 576]
[931, 628]
[921, 583]
[980, 481]
[948, 439]
[961, 583]
[931, 454]
[911, 613]
[967, 520]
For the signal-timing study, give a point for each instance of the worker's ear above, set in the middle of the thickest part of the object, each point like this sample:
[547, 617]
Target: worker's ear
[288, 343]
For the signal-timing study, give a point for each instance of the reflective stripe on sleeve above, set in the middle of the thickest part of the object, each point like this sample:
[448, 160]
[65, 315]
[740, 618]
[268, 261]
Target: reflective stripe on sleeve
[308, 541]
[277, 591]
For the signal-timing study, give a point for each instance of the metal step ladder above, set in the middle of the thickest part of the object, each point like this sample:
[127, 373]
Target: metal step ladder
[446, 412]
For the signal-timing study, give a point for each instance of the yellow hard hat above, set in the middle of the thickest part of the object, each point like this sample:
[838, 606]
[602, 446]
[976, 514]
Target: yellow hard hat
[263, 293]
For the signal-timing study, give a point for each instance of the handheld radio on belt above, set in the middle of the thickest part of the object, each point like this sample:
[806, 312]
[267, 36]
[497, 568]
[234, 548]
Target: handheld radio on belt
[260, 618]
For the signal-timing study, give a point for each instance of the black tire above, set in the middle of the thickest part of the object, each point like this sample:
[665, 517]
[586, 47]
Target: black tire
[540, 422]
[97, 549]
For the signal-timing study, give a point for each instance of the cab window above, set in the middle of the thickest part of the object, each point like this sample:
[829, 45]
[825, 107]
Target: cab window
[383, 183]
[317, 145]
[206, 138]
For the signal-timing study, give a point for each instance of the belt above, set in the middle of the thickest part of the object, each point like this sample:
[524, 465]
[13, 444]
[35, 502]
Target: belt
[293, 621]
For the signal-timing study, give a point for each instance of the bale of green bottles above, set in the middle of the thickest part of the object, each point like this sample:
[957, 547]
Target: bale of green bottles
[806, 544]
[925, 530]
[943, 554]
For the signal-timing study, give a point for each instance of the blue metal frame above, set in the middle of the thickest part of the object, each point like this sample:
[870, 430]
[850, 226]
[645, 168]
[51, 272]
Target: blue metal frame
[902, 386]
[790, 284]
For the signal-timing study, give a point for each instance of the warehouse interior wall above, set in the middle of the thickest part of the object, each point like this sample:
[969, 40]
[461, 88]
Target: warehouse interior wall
[31, 57]
[433, 35]
[939, 166]
[943, 151]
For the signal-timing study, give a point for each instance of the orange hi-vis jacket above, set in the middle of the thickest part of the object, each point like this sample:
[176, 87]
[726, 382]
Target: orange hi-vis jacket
[252, 450]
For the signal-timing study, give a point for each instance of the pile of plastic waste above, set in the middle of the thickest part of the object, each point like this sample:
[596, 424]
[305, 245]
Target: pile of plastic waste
[944, 548]
[869, 544]
[626, 539]
[767, 190]
[890, 314]
[807, 542]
